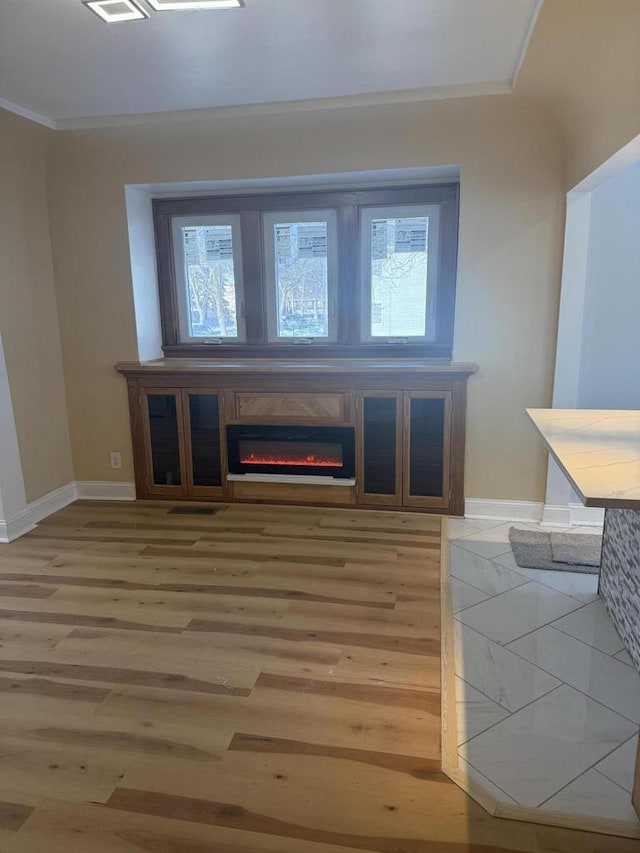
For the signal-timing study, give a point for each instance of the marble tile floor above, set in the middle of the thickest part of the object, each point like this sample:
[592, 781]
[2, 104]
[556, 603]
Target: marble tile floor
[548, 705]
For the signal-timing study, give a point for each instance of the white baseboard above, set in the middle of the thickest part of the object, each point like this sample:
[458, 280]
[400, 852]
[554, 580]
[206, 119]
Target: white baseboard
[573, 515]
[104, 490]
[13, 528]
[586, 516]
[558, 516]
[52, 502]
[503, 510]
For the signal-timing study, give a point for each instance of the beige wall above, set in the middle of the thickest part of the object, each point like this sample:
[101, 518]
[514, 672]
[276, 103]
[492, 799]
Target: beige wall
[583, 64]
[28, 312]
[576, 103]
[512, 206]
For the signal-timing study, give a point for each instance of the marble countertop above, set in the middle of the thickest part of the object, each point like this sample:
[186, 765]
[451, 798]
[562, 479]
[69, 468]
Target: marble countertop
[598, 450]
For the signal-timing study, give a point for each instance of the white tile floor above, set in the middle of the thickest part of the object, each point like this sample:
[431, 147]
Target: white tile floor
[548, 704]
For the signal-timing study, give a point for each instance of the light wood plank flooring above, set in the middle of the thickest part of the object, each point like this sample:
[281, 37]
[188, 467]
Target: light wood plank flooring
[260, 680]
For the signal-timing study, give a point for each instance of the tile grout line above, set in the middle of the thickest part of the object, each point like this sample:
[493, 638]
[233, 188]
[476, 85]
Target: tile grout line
[484, 776]
[591, 767]
[512, 713]
[582, 692]
[573, 637]
[521, 636]
[613, 781]
[542, 583]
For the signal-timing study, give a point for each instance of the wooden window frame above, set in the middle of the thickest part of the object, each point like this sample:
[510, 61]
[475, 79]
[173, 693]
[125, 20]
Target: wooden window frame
[180, 277]
[270, 286]
[350, 342]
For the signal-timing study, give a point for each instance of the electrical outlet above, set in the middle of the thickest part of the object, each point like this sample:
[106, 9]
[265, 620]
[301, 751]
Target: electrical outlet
[116, 459]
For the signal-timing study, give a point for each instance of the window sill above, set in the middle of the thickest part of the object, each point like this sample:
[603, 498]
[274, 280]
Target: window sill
[311, 350]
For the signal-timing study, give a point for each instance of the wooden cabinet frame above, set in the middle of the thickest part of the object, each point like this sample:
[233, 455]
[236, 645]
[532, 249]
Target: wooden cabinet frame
[352, 380]
[409, 500]
[159, 489]
[210, 492]
[369, 498]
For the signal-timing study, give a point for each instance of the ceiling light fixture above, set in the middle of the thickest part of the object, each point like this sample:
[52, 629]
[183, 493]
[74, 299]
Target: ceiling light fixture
[184, 5]
[113, 11]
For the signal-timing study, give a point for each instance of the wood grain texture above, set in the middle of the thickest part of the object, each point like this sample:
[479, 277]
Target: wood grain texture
[267, 407]
[264, 680]
[276, 391]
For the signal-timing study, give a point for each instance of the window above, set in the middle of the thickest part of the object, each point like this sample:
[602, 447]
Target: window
[300, 252]
[208, 272]
[360, 272]
[399, 248]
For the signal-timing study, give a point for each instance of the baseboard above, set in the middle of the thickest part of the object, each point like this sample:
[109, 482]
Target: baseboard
[104, 490]
[35, 511]
[586, 516]
[503, 510]
[52, 502]
[559, 516]
[14, 528]
[573, 515]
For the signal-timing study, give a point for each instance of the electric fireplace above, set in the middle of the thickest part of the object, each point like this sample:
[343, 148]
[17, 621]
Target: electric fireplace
[302, 450]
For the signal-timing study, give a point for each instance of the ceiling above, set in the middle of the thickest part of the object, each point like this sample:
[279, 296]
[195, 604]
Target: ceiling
[59, 62]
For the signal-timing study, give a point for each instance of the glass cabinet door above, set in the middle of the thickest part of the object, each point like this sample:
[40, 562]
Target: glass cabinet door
[379, 477]
[427, 434]
[162, 412]
[203, 442]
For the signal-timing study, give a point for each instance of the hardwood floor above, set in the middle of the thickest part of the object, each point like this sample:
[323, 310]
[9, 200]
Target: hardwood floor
[260, 680]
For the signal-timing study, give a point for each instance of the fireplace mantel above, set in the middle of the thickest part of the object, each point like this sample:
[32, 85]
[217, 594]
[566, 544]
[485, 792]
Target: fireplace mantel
[407, 417]
[237, 367]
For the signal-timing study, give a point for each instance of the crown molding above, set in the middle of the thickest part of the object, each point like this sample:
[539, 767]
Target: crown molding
[28, 114]
[370, 99]
[525, 42]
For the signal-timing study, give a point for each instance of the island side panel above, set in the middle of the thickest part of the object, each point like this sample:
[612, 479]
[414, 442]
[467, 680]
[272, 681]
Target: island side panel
[620, 576]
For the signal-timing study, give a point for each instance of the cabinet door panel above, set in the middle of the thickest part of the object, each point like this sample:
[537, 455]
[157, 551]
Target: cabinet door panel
[205, 463]
[380, 459]
[427, 431]
[164, 450]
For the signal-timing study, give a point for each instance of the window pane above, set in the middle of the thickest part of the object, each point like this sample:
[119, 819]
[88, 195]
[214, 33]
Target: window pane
[399, 276]
[301, 279]
[210, 280]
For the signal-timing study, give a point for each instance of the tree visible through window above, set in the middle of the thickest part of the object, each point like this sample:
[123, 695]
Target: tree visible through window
[210, 281]
[399, 280]
[302, 279]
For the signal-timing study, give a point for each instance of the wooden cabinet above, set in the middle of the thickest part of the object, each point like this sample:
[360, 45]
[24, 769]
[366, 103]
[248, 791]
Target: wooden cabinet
[426, 449]
[163, 442]
[408, 424]
[182, 443]
[205, 450]
[379, 448]
[404, 448]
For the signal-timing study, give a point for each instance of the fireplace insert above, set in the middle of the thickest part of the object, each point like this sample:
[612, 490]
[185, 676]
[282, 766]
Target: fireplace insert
[319, 450]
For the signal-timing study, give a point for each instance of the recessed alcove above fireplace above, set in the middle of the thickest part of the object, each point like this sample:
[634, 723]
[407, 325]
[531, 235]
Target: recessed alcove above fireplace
[321, 451]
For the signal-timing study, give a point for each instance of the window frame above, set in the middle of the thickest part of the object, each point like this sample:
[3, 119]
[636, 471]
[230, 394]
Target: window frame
[367, 216]
[181, 283]
[272, 218]
[348, 204]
